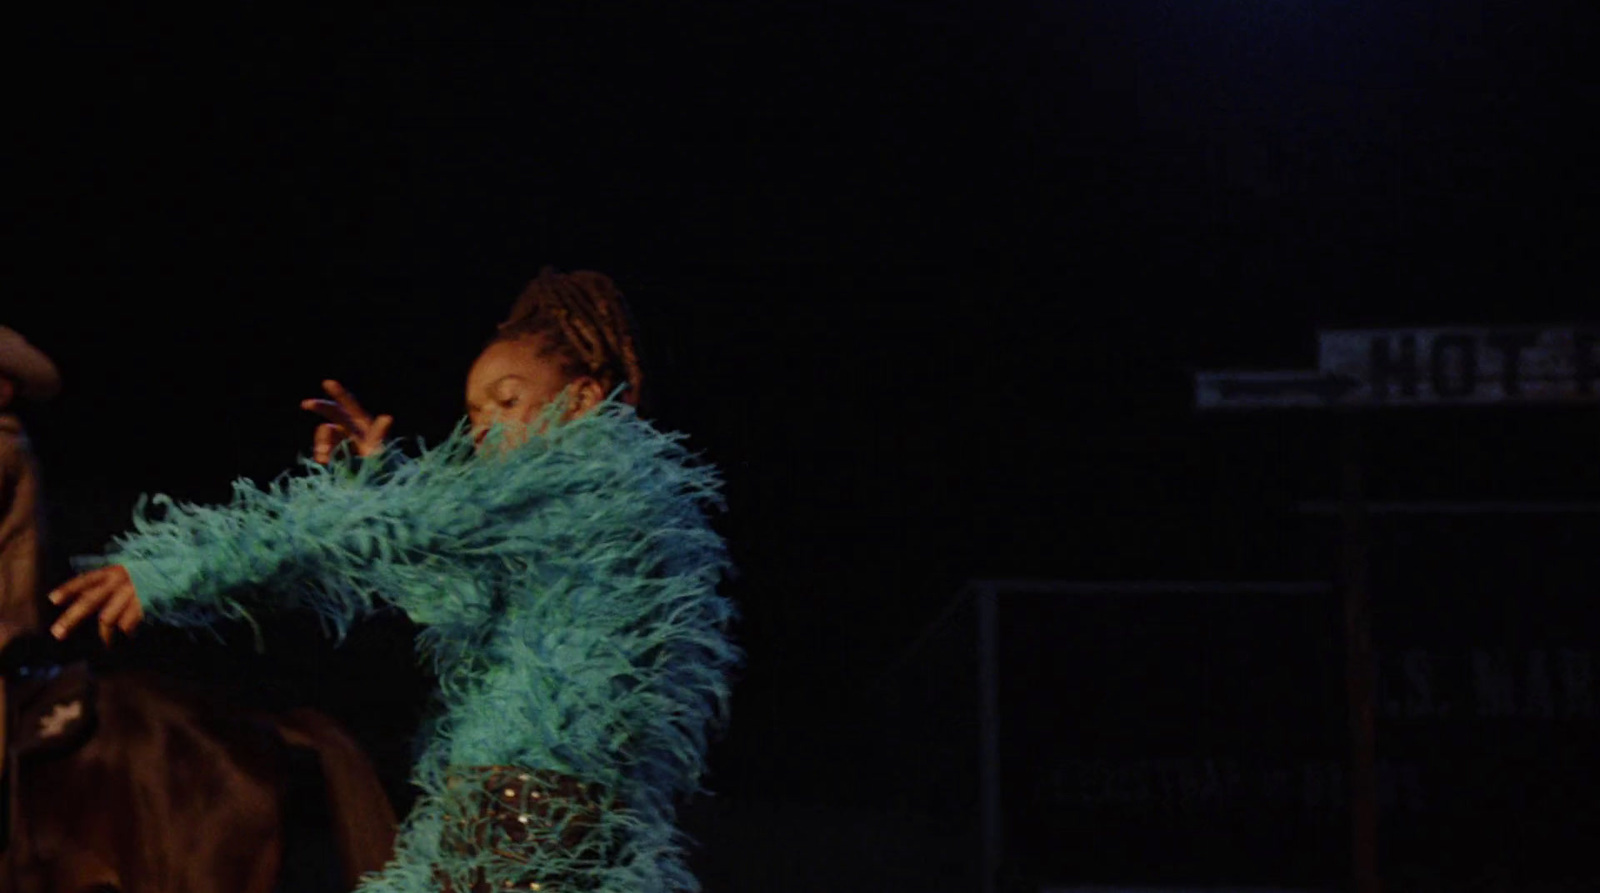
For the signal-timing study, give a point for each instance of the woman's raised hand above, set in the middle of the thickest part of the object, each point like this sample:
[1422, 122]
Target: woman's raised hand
[346, 421]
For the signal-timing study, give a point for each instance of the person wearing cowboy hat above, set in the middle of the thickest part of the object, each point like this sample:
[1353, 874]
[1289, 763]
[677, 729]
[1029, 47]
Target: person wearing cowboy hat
[26, 374]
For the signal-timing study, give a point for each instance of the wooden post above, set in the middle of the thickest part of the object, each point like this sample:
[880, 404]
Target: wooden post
[1359, 662]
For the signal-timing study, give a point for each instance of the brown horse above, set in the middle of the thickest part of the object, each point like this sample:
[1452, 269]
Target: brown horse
[129, 783]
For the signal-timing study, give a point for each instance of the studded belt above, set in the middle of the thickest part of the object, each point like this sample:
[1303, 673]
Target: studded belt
[531, 817]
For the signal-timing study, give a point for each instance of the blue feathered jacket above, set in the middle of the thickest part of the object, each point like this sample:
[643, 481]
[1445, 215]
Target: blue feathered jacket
[568, 591]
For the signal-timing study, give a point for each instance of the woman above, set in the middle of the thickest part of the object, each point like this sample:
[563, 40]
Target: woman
[556, 552]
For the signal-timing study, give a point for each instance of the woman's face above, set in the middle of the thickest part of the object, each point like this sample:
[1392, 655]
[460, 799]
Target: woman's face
[509, 385]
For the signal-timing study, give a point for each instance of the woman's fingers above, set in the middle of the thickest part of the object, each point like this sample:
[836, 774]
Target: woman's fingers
[108, 617]
[81, 605]
[94, 592]
[122, 612]
[77, 586]
[346, 420]
[347, 402]
[329, 410]
[131, 618]
[327, 437]
[374, 436]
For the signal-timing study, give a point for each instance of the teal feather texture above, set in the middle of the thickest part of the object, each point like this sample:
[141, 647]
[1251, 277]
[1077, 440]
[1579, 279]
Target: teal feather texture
[567, 588]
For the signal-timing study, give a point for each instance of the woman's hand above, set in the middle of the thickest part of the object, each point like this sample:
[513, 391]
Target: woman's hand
[346, 420]
[107, 591]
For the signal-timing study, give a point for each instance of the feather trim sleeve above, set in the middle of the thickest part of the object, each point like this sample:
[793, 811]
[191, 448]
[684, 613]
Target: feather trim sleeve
[304, 539]
[448, 535]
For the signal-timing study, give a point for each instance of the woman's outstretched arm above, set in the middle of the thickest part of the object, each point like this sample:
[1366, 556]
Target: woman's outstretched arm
[328, 538]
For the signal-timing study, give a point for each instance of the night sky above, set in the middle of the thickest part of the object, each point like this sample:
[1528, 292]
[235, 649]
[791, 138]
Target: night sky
[928, 280]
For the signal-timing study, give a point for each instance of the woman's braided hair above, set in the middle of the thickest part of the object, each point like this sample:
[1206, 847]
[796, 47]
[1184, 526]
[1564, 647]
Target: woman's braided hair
[581, 317]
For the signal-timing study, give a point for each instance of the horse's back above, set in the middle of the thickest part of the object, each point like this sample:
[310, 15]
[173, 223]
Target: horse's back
[168, 795]
[178, 792]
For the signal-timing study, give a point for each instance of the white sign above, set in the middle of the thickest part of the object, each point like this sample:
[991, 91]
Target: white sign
[1423, 367]
[1403, 367]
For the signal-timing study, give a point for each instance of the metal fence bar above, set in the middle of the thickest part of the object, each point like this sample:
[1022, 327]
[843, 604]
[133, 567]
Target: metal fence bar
[1458, 508]
[1154, 587]
[989, 731]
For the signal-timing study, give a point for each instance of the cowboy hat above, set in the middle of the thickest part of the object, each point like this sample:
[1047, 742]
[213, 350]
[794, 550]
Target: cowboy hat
[35, 376]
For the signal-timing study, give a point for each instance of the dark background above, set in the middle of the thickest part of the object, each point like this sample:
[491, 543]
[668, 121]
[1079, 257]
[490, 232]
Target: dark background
[928, 280]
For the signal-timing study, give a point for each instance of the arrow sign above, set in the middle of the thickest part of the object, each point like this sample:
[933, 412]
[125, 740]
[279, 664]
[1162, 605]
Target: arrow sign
[1271, 390]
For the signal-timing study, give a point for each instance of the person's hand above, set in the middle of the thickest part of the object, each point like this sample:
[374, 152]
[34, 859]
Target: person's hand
[346, 420]
[107, 591]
